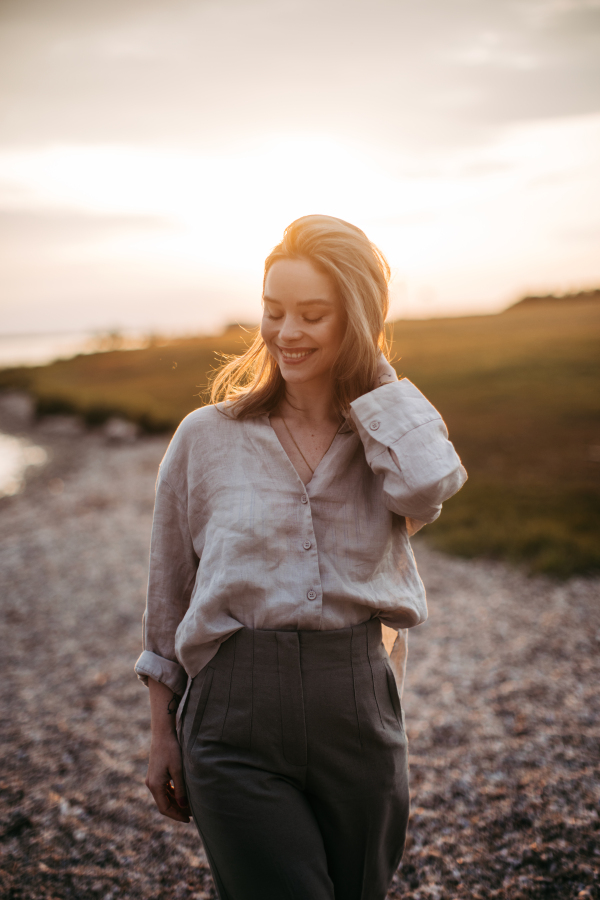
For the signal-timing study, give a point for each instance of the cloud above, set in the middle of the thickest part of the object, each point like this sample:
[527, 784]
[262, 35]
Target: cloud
[204, 73]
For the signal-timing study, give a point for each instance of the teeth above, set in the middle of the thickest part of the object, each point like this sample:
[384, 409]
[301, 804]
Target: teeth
[288, 355]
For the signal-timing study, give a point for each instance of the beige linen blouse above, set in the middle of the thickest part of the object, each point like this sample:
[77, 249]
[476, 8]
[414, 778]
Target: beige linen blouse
[238, 539]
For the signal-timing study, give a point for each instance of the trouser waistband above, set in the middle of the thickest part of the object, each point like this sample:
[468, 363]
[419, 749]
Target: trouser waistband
[357, 645]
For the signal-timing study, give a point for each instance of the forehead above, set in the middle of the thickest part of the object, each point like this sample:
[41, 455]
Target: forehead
[297, 280]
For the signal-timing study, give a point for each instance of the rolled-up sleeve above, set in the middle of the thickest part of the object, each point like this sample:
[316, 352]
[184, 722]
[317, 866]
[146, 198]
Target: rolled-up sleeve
[173, 568]
[406, 441]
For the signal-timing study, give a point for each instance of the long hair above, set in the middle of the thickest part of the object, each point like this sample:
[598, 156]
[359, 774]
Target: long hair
[253, 382]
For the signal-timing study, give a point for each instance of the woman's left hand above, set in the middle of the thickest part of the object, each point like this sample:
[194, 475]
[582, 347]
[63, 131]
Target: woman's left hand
[385, 372]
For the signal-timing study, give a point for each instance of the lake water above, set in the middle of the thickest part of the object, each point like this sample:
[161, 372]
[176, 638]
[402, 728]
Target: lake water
[39, 349]
[16, 456]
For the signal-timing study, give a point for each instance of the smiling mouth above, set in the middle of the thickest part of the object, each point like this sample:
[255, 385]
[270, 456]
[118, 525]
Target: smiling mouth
[295, 355]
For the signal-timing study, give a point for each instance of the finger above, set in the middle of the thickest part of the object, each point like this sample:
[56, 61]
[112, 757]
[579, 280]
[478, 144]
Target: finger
[166, 803]
[176, 810]
[177, 815]
[179, 789]
[161, 797]
[173, 810]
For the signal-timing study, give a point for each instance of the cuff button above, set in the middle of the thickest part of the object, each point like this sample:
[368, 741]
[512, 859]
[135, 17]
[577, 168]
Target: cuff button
[374, 425]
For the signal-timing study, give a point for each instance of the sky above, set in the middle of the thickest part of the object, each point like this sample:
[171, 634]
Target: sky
[152, 153]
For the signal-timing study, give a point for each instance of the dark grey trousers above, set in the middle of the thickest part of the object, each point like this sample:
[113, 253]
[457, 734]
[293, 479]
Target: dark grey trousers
[295, 762]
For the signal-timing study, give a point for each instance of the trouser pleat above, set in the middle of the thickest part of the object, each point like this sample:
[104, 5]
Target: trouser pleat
[293, 725]
[237, 729]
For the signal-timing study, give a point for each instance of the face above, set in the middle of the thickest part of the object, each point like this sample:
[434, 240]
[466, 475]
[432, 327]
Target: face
[303, 321]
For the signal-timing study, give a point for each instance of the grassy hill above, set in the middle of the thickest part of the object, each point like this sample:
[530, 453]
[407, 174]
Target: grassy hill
[520, 392]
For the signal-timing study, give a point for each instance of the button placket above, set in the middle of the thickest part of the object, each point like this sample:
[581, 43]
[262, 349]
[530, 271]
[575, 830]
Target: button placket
[311, 561]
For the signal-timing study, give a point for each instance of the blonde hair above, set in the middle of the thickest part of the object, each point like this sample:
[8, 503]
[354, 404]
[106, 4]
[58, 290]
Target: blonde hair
[253, 382]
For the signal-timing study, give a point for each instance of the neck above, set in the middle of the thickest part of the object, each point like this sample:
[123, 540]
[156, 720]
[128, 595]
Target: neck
[312, 402]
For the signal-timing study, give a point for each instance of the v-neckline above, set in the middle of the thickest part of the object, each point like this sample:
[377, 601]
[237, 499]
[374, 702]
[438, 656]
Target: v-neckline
[305, 484]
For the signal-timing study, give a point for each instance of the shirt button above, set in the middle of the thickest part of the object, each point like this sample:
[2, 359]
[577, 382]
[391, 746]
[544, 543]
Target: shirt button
[311, 595]
[303, 499]
[374, 425]
[307, 545]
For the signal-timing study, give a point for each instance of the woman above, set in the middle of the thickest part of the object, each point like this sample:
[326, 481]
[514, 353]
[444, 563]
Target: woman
[279, 550]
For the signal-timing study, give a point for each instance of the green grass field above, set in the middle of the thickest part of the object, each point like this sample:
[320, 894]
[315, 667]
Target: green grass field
[520, 393]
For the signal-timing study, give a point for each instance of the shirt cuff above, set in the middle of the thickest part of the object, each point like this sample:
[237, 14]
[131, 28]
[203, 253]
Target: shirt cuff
[386, 414]
[165, 671]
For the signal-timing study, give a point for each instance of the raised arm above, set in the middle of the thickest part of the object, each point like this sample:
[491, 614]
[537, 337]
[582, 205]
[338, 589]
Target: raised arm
[406, 441]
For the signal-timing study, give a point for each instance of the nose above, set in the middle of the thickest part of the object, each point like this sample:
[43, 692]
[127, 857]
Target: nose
[290, 330]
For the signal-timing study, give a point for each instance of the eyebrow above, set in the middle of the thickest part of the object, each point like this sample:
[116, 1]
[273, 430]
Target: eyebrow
[301, 302]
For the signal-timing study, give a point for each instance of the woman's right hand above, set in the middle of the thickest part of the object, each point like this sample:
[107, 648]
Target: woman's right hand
[165, 777]
[165, 769]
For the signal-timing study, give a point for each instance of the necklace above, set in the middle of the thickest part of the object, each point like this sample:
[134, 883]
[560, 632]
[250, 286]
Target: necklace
[312, 471]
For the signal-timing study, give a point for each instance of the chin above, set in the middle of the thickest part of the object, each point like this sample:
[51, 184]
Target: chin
[294, 377]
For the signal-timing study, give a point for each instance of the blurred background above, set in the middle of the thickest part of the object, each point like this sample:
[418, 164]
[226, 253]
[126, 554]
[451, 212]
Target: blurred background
[151, 154]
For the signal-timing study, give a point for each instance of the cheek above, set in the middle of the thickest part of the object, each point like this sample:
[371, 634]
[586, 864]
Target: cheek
[266, 330]
[336, 336]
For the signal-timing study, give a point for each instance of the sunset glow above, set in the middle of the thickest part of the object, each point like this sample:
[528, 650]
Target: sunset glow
[169, 233]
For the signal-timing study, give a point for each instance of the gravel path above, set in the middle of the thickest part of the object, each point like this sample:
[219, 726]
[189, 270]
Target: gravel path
[502, 707]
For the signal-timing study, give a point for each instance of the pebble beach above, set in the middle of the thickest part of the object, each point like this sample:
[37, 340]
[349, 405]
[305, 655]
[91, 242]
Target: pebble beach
[501, 703]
